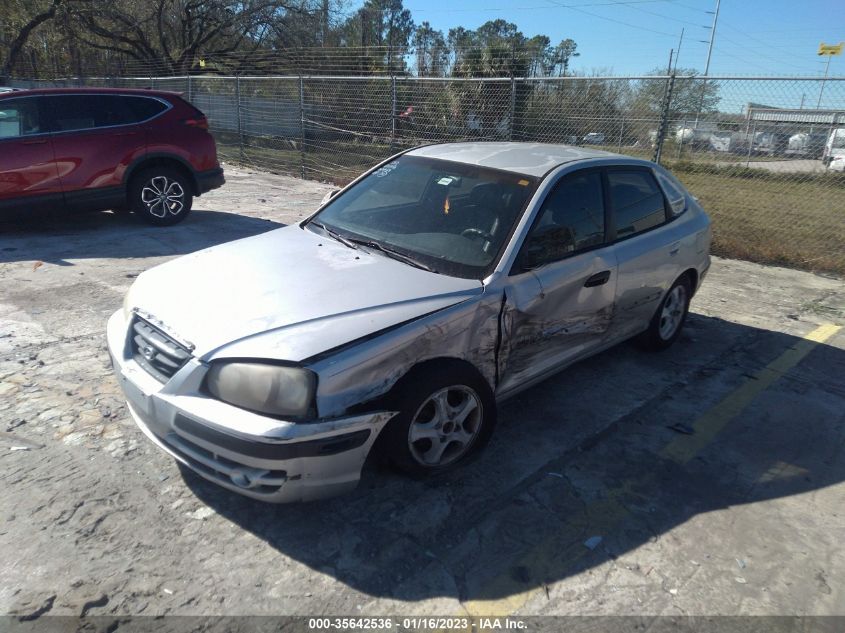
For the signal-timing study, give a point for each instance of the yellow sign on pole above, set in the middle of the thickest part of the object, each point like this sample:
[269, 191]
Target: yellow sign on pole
[831, 49]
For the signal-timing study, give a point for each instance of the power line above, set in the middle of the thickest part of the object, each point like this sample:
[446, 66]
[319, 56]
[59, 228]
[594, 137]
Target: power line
[602, 17]
[499, 9]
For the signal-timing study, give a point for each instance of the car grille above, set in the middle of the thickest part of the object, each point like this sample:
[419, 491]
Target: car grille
[155, 351]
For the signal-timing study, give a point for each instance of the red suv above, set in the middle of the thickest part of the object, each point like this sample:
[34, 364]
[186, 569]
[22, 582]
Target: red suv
[95, 149]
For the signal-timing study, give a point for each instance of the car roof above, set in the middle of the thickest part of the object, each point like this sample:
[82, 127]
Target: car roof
[533, 159]
[117, 91]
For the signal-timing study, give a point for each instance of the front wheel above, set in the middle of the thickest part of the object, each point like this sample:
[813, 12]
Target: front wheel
[160, 196]
[446, 416]
[668, 321]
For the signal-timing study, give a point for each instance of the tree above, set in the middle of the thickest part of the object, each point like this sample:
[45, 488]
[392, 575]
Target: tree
[432, 54]
[383, 29]
[691, 95]
[561, 55]
[170, 36]
[25, 17]
[539, 53]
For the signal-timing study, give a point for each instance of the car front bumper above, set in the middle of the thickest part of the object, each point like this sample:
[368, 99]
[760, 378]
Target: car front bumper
[264, 458]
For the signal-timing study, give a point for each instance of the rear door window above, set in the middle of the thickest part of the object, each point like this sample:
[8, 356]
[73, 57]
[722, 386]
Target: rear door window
[19, 117]
[637, 201]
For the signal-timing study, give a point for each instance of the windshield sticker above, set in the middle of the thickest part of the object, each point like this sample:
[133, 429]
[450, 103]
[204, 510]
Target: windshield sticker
[446, 180]
[523, 182]
[381, 172]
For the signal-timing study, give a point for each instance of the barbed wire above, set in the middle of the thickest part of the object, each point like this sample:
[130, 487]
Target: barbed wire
[451, 61]
[763, 164]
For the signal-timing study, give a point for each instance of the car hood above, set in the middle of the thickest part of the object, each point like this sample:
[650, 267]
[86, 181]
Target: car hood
[308, 292]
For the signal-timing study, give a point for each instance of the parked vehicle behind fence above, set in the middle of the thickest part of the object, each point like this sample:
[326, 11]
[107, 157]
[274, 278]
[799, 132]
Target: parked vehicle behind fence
[834, 149]
[89, 149]
[393, 320]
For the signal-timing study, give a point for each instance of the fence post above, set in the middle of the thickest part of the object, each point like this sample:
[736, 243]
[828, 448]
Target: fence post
[513, 109]
[621, 132]
[664, 118]
[392, 113]
[302, 126]
[238, 111]
[190, 92]
[750, 142]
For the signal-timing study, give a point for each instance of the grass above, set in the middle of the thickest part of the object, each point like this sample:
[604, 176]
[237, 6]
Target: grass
[788, 219]
[795, 223]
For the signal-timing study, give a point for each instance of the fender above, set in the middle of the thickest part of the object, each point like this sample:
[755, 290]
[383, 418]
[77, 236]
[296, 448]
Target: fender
[135, 164]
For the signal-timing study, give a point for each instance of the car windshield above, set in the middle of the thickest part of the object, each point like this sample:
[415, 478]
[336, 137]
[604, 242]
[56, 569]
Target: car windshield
[452, 218]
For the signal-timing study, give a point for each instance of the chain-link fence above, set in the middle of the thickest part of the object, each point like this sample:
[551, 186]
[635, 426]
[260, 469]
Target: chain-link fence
[764, 155]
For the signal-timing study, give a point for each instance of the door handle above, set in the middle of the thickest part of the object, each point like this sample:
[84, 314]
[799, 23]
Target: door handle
[599, 279]
[41, 141]
[675, 248]
[126, 134]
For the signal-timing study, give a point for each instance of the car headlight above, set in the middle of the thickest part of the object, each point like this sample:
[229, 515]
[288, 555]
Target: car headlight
[264, 388]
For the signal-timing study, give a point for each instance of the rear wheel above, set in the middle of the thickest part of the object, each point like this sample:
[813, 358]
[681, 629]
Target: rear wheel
[160, 196]
[668, 321]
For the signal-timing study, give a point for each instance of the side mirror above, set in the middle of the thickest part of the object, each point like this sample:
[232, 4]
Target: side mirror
[532, 256]
[331, 194]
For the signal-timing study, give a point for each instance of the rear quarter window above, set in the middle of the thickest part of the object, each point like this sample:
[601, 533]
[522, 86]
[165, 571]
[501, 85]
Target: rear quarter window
[675, 192]
[636, 200]
[144, 108]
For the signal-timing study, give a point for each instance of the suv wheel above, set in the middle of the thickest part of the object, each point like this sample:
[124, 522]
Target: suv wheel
[160, 196]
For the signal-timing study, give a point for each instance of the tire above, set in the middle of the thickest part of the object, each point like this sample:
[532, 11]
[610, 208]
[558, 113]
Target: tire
[436, 404]
[150, 200]
[668, 320]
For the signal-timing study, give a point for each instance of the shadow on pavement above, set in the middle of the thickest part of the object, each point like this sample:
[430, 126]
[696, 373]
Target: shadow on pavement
[558, 472]
[121, 235]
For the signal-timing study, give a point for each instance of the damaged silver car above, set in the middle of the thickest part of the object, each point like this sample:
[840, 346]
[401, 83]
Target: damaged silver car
[393, 320]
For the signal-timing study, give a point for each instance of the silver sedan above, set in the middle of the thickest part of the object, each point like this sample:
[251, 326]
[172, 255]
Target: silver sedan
[393, 320]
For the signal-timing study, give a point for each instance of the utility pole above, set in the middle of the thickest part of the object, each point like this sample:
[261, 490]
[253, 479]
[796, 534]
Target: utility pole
[707, 63]
[678, 54]
[712, 38]
[821, 90]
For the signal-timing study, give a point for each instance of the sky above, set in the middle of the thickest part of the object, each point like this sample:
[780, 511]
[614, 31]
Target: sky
[631, 37]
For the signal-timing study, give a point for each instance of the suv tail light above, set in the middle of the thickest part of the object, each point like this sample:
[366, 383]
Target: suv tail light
[200, 122]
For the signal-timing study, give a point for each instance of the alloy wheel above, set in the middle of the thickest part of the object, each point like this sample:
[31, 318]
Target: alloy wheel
[445, 426]
[162, 196]
[673, 312]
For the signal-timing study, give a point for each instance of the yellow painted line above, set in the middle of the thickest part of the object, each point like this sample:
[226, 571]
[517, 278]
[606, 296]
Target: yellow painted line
[683, 448]
[557, 553]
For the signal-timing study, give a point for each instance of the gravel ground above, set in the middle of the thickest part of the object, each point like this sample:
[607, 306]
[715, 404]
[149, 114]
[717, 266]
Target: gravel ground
[586, 502]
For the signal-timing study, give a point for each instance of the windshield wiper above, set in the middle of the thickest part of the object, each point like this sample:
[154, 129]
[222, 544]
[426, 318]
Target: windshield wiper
[394, 254]
[335, 235]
